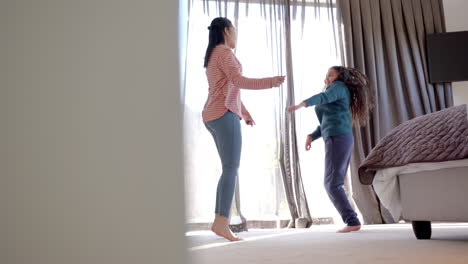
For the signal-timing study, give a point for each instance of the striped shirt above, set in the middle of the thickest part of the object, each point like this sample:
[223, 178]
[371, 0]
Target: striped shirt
[224, 73]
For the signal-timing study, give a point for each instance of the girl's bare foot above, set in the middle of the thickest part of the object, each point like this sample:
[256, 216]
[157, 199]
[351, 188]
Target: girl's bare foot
[348, 229]
[221, 228]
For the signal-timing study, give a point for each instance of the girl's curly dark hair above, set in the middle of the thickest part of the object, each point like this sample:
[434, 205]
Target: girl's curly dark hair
[362, 99]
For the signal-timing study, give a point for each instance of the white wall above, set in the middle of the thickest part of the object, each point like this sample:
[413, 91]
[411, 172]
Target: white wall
[91, 168]
[456, 19]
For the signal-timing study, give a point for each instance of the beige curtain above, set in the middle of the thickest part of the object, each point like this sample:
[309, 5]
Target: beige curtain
[386, 40]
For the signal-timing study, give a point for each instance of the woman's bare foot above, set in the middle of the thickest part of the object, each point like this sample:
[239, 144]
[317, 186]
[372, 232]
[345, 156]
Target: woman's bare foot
[221, 228]
[348, 229]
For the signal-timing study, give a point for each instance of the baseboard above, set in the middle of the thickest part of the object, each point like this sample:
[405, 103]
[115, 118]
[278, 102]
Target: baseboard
[262, 224]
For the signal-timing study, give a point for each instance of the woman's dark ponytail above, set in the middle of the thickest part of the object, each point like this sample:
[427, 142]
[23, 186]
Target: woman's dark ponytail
[216, 35]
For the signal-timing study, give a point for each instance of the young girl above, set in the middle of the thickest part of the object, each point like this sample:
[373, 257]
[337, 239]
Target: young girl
[347, 100]
[223, 111]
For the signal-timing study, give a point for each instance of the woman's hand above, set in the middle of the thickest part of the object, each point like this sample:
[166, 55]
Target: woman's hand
[295, 107]
[277, 81]
[249, 120]
[308, 143]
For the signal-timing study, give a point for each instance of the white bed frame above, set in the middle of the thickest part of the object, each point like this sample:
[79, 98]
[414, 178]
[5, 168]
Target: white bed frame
[434, 196]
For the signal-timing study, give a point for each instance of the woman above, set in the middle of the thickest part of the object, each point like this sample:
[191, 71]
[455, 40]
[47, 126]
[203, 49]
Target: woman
[223, 111]
[346, 100]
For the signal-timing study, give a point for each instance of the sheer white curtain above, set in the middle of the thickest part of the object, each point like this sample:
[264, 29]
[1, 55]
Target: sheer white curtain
[261, 188]
[262, 196]
[314, 51]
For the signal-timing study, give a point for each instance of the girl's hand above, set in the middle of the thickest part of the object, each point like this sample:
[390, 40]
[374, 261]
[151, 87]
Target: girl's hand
[308, 143]
[293, 108]
[296, 107]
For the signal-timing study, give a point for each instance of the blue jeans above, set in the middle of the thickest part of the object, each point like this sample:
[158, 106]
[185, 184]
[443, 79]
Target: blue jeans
[226, 132]
[338, 151]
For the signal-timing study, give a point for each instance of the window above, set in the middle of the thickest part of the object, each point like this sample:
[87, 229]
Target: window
[261, 189]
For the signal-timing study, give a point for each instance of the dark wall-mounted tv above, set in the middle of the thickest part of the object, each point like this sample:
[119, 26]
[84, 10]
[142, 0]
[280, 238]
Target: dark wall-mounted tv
[447, 56]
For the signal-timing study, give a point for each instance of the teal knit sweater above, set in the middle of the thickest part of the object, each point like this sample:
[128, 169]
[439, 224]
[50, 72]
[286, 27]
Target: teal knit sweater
[332, 109]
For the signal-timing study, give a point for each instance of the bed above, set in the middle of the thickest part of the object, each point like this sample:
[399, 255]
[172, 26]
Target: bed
[425, 192]
[419, 170]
